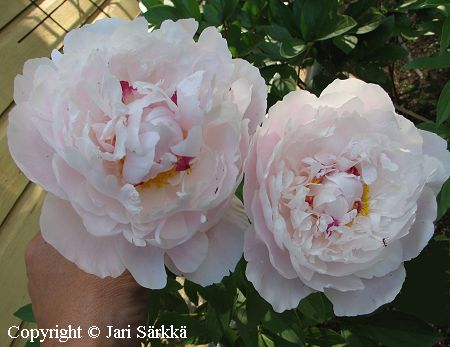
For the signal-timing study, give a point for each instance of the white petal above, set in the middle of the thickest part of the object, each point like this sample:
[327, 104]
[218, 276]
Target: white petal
[188, 256]
[423, 228]
[146, 264]
[63, 229]
[283, 294]
[31, 154]
[226, 242]
[372, 95]
[438, 163]
[377, 291]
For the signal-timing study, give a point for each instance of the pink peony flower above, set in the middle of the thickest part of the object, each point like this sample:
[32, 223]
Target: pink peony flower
[341, 191]
[139, 138]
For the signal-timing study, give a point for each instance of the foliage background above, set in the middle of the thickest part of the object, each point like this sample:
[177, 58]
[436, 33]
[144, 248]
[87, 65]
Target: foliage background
[402, 46]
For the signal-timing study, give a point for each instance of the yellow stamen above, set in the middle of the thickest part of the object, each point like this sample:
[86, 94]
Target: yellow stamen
[160, 180]
[365, 199]
[316, 180]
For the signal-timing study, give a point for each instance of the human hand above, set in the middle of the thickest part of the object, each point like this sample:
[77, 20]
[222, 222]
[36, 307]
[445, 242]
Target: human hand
[62, 294]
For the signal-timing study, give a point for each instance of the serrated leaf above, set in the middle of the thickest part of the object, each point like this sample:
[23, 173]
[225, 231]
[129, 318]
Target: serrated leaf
[443, 105]
[345, 43]
[437, 61]
[25, 313]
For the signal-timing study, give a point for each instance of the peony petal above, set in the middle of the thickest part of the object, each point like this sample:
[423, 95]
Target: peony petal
[423, 228]
[372, 95]
[438, 165]
[378, 291]
[283, 294]
[254, 105]
[31, 154]
[146, 264]
[188, 256]
[226, 241]
[95, 255]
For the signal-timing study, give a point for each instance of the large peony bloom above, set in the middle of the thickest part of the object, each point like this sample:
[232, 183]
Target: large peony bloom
[341, 191]
[139, 138]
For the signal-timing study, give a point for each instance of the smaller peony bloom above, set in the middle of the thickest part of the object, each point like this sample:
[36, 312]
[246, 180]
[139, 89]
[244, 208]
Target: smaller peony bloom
[139, 137]
[341, 191]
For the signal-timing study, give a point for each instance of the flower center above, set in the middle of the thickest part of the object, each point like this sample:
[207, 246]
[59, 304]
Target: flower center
[156, 131]
[336, 198]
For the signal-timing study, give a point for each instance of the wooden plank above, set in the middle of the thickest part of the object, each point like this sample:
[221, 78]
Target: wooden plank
[126, 9]
[37, 44]
[10, 9]
[19, 227]
[12, 180]
[34, 34]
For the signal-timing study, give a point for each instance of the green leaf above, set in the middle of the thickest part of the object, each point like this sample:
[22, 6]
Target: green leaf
[316, 307]
[188, 8]
[213, 12]
[445, 35]
[396, 329]
[345, 43]
[25, 313]
[150, 3]
[444, 199]
[425, 291]
[229, 8]
[358, 8]
[292, 48]
[32, 344]
[265, 341]
[339, 26]
[282, 86]
[436, 61]
[388, 54]
[323, 337]
[443, 105]
[371, 73]
[280, 13]
[368, 43]
[355, 338]
[422, 4]
[157, 14]
[285, 326]
[369, 22]
[276, 32]
[271, 50]
[315, 16]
